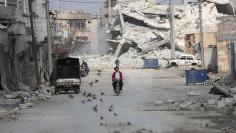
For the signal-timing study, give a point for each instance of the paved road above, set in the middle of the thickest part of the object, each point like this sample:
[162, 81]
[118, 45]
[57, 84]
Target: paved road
[64, 115]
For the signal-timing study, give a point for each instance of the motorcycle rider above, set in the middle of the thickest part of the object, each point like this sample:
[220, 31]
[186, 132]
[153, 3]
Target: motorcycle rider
[117, 62]
[117, 76]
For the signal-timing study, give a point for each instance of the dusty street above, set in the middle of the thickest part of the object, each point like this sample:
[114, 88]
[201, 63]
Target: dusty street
[130, 112]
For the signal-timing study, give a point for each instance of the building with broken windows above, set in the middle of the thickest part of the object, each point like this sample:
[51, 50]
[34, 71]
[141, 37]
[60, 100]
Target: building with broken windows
[75, 29]
[16, 60]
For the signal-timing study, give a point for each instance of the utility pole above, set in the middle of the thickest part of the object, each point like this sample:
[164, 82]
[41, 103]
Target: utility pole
[34, 43]
[49, 36]
[109, 11]
[183, 2]
[5, 3]
[172, 30]
[201, 35]
[232, 61]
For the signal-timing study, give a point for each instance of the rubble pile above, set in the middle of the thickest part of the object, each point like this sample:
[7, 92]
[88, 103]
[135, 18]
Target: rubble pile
[131, 59]
[144, 28]
[199, 103]
[28, 96]
[221, 98]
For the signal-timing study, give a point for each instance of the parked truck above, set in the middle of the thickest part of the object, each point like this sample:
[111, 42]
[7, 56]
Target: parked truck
[67, 75]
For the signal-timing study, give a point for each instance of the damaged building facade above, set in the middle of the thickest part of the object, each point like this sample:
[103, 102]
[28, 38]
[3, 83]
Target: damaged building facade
[75, 29]
[16, 60]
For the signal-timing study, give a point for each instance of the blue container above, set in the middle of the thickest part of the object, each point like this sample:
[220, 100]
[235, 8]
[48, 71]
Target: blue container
[151, 63]
[196, 76]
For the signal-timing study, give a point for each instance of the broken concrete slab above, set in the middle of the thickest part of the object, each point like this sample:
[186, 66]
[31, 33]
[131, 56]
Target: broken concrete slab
[220, 90]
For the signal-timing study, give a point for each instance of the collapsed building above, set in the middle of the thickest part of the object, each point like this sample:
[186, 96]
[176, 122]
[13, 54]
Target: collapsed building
[142, 29]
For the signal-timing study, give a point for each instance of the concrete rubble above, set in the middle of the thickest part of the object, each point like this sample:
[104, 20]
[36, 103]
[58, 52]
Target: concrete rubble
[143, 31]
[25, 99]
[131, 59]
[221, 98]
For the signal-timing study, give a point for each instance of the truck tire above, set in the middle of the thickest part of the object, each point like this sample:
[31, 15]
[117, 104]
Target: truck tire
[77, 89]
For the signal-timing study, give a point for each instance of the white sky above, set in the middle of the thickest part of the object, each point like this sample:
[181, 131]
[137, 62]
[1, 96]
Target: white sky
[87, 7]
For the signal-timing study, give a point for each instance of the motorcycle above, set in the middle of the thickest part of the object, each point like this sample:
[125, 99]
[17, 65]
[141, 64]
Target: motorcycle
[117, 89]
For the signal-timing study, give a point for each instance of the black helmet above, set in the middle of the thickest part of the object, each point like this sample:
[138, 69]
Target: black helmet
[116, 67]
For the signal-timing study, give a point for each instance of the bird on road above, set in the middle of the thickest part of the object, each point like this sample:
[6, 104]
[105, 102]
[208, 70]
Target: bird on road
[101, 124]
[95, 108]
[96, 81]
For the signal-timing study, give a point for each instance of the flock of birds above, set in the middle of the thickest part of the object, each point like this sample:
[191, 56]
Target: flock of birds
[90, 97]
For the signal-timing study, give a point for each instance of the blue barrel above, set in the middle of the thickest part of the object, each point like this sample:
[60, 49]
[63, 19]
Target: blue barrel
[196, 76]
[151, 63]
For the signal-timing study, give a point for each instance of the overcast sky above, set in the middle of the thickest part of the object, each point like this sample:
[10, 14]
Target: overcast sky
[87, 7]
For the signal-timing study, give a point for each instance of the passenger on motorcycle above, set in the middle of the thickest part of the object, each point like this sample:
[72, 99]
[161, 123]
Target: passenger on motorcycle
[117, 76]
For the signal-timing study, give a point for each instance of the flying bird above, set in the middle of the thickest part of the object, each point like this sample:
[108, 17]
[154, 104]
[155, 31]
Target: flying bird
[96, 81]
[111, 108]
[115, 114]
[94, 97]
[99, 74]
[84, 94]
[89, 95]
[101, 117]
[83, 102]
[101, 124]
[89, 100]
[99, 71]
[70, 96]
[101, 100]
[129, 123]
[91, 84]
[102, 94]
[95, 108]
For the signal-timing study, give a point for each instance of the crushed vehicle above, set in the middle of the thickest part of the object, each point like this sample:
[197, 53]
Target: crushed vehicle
[67, 75]
[185, 60]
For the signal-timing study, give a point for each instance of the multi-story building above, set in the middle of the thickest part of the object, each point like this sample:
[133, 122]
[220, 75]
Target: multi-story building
[76, 29]
[16, 63]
